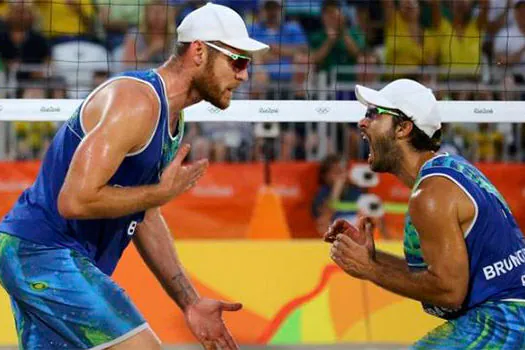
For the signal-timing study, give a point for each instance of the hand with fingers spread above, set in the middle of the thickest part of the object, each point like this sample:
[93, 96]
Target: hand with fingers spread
[177, 178]
[204, 318]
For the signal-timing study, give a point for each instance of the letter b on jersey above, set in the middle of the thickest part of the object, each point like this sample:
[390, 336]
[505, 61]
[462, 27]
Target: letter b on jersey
[132, 227]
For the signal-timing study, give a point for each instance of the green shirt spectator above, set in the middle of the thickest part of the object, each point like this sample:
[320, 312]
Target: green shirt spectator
[331, 50]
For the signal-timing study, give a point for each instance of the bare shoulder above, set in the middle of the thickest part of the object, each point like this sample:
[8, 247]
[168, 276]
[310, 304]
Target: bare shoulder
[128, 102]
[437, 199]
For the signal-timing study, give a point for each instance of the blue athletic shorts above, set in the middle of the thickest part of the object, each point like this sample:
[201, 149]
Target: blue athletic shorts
[60, 300]
[492, 325]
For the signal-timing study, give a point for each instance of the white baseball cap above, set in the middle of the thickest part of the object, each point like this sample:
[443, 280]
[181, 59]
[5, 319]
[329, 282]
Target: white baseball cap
[416, 101]
[213, 22]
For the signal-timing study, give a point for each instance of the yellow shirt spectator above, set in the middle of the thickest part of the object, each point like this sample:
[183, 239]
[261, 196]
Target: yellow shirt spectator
[461, 52]
[489, 145]
[403, 49]
[63, 18]
[3, 9]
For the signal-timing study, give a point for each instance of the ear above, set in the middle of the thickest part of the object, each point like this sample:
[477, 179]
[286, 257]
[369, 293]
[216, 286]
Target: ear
[198, 53]
[403, 129]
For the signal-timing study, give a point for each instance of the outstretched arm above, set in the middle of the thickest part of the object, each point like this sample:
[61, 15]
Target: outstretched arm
[155, 244]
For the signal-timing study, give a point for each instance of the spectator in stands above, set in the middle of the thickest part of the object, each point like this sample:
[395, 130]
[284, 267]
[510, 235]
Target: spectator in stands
[68, 21]
[32, 138]
[336, 45]
[57, 88]
[368, 64]
[336, 189]
[4, 4]
[76, 39]
[461, 52]
[407, 44]
[246, 8]
[368, 16]
[286, 65]
[151, 43]
[509, 47]
[335, 186]
[222, 141]
[184, 7]
[306, 12]
[20, 44]
[489, 143]
[500, 20]
[286, 60]
[99, 77]
[117, 17]
[451, 142]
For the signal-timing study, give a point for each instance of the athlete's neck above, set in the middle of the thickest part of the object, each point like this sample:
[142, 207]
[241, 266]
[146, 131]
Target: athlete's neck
[178, 80]
[411, 165]
[179, 92]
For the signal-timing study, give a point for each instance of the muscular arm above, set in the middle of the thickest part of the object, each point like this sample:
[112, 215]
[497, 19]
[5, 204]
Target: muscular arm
[438, 218]
[155, 244]
[113, 130]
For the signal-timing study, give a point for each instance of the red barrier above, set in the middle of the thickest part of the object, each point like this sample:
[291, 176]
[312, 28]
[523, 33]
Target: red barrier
[222, 203]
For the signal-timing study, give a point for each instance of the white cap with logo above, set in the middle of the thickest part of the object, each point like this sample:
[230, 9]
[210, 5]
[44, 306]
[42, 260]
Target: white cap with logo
[213, 22]
[416, 101]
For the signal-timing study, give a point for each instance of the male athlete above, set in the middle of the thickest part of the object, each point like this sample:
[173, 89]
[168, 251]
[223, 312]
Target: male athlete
[107, 172]
[465, 255]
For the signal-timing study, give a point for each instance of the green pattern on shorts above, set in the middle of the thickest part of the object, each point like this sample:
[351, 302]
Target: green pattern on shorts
[493, 325]
[95, 336]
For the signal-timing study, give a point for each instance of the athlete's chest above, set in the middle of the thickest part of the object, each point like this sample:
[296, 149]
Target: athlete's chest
[171, 143]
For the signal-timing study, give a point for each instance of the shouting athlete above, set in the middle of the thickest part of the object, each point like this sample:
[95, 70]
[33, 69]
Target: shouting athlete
[464, 252]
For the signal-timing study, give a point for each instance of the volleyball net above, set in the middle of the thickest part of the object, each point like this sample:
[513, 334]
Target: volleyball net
[470, 52]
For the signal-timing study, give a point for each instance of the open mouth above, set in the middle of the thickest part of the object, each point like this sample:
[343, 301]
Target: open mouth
[366, 138]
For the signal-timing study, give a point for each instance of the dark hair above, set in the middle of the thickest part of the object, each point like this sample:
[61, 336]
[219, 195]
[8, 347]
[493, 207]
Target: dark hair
[326, 164]
[330, 3]
[418, 139]
[179, 49]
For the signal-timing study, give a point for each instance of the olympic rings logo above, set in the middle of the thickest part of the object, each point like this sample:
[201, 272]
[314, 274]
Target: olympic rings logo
[213, 110]
[322, 110]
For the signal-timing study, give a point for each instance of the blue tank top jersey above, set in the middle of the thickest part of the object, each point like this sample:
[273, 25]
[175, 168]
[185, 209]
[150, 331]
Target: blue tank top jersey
[495, 244]
[35, 215]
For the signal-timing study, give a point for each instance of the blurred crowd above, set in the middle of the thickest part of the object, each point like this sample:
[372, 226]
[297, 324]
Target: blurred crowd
[319, 49]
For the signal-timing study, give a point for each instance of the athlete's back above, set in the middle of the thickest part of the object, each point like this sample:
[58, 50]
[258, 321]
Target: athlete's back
[495, 244]
[35, 217]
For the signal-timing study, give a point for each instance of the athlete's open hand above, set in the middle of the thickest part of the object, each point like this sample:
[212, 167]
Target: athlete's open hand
[204, 318]
[178, 178]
